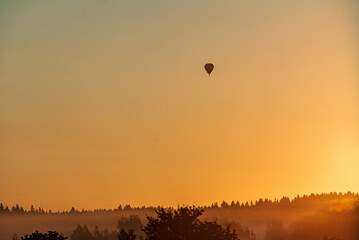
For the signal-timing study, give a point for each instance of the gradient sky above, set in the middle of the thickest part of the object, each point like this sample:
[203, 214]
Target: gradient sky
[107, 102]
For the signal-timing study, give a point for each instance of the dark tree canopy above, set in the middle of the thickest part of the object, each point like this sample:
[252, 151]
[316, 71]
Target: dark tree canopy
[51, 235]
[184, 224]
[126, 235]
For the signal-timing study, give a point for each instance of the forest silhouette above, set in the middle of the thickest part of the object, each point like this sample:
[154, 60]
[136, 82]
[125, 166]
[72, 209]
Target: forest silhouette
[333, 216]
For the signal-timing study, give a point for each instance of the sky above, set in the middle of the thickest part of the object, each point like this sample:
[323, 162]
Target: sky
[107, 102]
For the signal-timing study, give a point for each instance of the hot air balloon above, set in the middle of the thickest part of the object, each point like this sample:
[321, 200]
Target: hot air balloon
[209, 68]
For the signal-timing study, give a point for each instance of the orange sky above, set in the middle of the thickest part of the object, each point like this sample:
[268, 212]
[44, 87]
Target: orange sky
[107, 102]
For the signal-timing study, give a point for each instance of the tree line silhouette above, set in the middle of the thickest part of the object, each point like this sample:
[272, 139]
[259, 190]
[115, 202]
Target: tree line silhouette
[265, 203]
[169, 224]
[333, 216]
[183, 224]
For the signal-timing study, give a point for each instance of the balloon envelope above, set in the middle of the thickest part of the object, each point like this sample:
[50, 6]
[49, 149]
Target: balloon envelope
[209, 68]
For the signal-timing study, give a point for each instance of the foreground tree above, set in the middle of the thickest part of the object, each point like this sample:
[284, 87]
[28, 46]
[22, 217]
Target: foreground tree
[126, 235]
[184, 224]
[51, 235]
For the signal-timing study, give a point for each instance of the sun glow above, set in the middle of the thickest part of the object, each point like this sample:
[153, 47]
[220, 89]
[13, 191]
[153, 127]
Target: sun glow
[344, 161]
